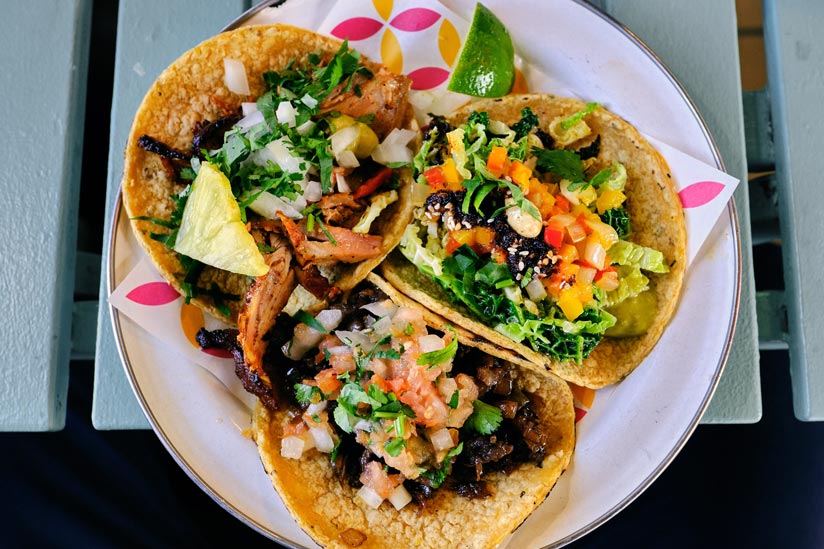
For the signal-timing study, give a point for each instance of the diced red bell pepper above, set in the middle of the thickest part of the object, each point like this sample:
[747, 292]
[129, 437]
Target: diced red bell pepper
[435, 177]
[562, 203]
[373, 184]
[553, 237]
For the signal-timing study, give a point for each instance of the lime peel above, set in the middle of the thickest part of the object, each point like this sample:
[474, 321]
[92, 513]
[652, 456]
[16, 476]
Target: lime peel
[486, 67]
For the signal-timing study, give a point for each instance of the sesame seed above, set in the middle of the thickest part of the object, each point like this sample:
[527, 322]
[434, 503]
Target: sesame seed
[537, 271]
[520, 265]
[519, 276]
[524, 252]
[512, 249]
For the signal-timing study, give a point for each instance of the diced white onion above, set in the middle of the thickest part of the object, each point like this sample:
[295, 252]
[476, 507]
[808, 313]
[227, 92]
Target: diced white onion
[347, 159]
[343, 186]
[572, 196]
[300, 298]
[313, 191]
[370, 497]
[338, 350]
[316, 408]
[399, 136]
[586, 275]
[431, 342]
[393, 148]
[388, 154]
[306, 127]
[576, 232]
[343, 139]
[329, 318]
[535, 290]
[292, 447]
[595, 255]
[441, 440]
[268, 205]
[252, 119]
[323, 440]
[195, 162]
[383, 325]
[248, 107]
[306, 337]
[309, 101]
[353, 339]
[286, 113]
[282, 155]
[400, 497]
[234, 76]
[382, 308]
[363, 425]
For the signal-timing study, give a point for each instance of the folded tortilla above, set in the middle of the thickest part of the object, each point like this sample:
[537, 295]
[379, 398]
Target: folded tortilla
[657, 222]
[329, 511]
[192, 90]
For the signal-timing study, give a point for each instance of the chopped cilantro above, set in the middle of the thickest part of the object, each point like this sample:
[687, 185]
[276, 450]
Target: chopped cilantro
[309, 320]
[485, 418]
[433, 358]
[409, 330]
[307, 394]
[394, 446]
[453, 401]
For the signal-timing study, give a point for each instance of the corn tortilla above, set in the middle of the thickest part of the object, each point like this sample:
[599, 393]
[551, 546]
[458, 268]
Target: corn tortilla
[329, 512]
[191, 90]
[657, 222]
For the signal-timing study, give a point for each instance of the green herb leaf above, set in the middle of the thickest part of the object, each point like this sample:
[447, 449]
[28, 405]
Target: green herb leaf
[395, 446]
[434, 358]
[309, 320]
[528, 121]
[563, 163]
[485, 418]
[453, 401]
[307, 394]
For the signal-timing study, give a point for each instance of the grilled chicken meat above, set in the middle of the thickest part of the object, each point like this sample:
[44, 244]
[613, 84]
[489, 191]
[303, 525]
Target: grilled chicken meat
[348, 246]
[385, 95]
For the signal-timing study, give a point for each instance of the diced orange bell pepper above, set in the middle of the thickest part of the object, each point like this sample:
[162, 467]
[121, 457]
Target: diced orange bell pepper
[497, 161]
[562, 205]
[520, 174]
[568, 253]
[458, 238]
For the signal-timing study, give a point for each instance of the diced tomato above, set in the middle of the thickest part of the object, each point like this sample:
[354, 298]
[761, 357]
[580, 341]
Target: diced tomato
[497, 161]
[294, 428]
[328, 381]
[372, 184]
[398, 386]
[380, 382]
[435, 177]
[424, 399]
[553, 237]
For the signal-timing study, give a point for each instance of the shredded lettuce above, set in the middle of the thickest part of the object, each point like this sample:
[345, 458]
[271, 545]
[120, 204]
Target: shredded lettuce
[413, 249]
[631, 282]
[630, 254]
[617, 179]
[379, 203]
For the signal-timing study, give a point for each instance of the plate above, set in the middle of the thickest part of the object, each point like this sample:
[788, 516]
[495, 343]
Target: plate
[632, 431]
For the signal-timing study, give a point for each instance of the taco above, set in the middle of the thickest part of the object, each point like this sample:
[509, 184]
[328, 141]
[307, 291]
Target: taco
[386, 431]
[552, 228]
[269, 152]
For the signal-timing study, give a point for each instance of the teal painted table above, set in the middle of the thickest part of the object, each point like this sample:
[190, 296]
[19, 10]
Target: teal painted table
[697, 40]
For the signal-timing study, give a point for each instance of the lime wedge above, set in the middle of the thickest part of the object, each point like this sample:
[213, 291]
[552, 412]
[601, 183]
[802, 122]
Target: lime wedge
[211, 230]
[486, 67]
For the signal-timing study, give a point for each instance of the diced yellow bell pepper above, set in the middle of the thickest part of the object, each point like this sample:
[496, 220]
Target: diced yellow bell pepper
[450, 173]
[588, 195]
[610, 199]
[570, 304]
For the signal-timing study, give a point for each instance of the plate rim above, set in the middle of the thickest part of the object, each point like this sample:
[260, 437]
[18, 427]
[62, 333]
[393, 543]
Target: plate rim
[732, 218]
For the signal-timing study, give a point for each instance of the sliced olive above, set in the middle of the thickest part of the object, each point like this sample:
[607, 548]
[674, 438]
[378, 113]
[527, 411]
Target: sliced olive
[635, 315]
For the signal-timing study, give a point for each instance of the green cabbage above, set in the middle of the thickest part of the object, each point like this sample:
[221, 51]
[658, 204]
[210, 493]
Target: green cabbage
[379, 203]
[630, 254]
[425, 258]
[631, 282]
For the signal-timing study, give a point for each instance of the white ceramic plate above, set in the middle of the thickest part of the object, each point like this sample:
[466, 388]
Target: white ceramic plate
[633, 430]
